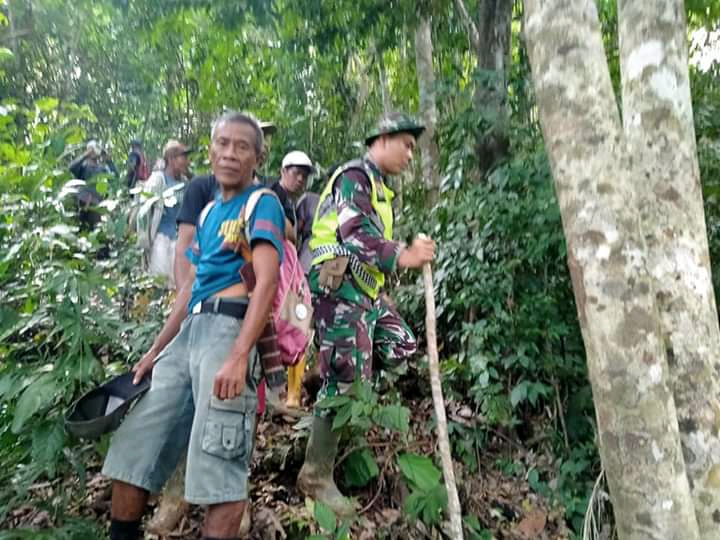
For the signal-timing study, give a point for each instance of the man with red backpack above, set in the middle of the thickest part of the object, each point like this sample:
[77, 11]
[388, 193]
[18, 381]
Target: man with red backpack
[204, 366]
[137, 165]
[198, 194]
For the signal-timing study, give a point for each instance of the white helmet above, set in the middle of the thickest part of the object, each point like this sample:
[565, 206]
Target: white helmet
[298, 159]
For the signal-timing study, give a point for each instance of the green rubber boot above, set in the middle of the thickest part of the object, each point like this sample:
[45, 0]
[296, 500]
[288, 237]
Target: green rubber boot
[315, 479]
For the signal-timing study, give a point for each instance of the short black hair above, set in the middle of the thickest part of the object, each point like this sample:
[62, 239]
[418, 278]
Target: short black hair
[234, 117]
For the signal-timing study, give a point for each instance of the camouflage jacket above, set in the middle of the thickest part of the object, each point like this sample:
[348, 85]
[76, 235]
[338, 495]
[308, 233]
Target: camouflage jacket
[359, 232]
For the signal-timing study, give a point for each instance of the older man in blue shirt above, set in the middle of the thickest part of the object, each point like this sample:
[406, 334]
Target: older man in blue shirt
[205, 369]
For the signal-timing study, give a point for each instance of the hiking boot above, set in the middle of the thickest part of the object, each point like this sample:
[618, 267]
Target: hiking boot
[315, 479]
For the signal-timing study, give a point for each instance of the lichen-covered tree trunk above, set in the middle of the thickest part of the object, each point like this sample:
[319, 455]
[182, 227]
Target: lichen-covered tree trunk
[426, 85]
[658, 123]
[491, 94]
[594, 179]
[490, 37]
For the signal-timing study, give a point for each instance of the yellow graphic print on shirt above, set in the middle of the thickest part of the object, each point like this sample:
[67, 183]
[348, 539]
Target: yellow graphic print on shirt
[233, 233]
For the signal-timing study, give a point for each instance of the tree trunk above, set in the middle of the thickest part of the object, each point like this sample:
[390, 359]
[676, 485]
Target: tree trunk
[636, 417]
[491, 41]
[426, 85]
[658, 122]
[384, 90]
[13, 36]
[493, 52]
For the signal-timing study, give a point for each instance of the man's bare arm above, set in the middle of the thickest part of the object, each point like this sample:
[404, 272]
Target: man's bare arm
[230, 380]
[183, 268]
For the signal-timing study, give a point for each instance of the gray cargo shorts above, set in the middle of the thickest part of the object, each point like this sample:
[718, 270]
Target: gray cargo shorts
[179, 409]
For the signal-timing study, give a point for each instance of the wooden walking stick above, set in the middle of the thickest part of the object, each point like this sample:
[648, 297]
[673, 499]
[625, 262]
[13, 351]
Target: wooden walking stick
[456, 532]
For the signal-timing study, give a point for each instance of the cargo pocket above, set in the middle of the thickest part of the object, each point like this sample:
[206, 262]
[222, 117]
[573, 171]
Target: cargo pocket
[229, 427]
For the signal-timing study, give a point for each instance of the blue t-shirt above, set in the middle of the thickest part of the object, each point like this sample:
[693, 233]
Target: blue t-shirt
[218, 266]
[167, 226]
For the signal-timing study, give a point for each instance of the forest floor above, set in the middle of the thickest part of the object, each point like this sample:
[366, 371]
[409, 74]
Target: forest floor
[504, 506]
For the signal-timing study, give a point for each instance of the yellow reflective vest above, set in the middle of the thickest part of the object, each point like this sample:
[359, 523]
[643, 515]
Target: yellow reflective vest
[324, 240]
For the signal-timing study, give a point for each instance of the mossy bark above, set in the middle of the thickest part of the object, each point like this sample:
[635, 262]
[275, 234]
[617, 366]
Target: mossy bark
[658, 125]
[595, 183]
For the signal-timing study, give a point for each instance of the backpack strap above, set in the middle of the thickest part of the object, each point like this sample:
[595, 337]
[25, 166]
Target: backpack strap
[204, 213]
[248, 208]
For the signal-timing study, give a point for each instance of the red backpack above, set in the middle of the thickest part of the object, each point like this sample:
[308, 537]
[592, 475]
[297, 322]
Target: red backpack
[143, 171]
[292, 306]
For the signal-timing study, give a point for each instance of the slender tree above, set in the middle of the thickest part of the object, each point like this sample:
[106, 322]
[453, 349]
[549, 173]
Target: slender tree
[658, 125]
[490, 39]
[428, 107]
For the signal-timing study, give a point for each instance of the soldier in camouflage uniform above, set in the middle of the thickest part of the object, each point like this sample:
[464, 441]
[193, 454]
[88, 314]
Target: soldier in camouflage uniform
[353, 252]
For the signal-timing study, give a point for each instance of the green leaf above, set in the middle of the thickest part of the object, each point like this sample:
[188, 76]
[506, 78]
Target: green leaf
[395, 417]
[47, 104]
[102, 186]
[364, 392]
[420, 472]
[343, 532]
[332, 402]
[427, 505]
[519, 393]
[7, 382]
[5, 53]
[9, 322]
[38, 394]
[57, 145]
[325, 517]
[360, 468]
[476, 531]
[48, 440]
[342, 416]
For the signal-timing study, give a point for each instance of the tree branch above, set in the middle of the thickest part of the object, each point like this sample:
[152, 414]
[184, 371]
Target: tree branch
[468, 23]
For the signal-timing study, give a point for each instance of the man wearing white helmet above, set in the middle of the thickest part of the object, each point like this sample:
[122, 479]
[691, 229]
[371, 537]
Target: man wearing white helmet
[295, 170]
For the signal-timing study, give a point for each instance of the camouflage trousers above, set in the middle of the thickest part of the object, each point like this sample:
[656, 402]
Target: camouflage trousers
[354, 339]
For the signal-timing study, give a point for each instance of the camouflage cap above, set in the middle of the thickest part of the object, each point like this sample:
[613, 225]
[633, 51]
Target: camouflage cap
[395, 123]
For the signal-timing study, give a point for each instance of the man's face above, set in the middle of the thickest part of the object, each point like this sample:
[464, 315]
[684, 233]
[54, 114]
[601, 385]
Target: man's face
[396, 152]
[232, 153]
[180, 165]
[294, 178]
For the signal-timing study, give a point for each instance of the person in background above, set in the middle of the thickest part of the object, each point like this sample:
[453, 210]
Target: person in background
[95, 160]
[85, 167]
[295, 170]
[268, 129]
[159, 165]
[172, 177]
[137, 165]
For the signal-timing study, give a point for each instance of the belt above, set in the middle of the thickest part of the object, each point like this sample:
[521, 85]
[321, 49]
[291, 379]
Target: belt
[223, 306]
